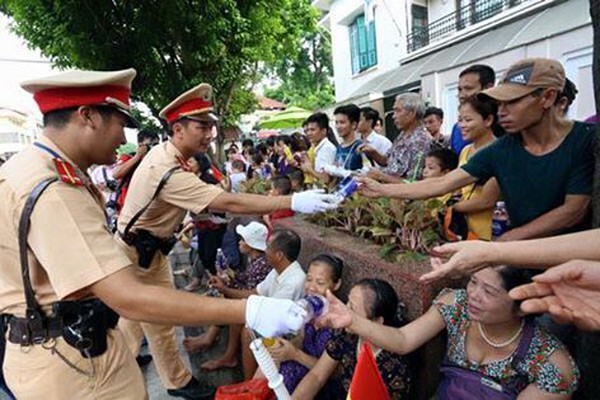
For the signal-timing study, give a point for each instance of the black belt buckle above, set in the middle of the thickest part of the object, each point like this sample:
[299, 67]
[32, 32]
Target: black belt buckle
[37, 330]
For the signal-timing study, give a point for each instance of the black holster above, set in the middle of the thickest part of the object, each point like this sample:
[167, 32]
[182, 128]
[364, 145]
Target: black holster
[146, 245]
[85, 325]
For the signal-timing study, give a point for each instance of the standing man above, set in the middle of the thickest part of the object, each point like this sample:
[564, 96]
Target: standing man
[317, 126]
[191, 122]
[75, 272]
[347, 155]
[433, 120]
[406, 158]
[471, 81]
[544, 165]
[372, 141]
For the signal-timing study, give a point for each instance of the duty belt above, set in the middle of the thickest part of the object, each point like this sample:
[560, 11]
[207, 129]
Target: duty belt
[20, 332]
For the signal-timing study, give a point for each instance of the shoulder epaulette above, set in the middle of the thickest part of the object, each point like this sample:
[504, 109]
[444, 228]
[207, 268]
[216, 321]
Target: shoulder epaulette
[67, 172]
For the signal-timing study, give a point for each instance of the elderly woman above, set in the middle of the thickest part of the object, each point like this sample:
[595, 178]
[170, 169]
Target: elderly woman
[492, 352]
[376, 301]
[406, 157]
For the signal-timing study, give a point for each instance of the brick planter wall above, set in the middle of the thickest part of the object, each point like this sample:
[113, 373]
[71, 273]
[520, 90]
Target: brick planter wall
[361, 259]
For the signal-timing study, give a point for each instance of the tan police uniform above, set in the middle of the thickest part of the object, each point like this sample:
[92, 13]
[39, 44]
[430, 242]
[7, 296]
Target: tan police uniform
[70, 249]
[183, 192]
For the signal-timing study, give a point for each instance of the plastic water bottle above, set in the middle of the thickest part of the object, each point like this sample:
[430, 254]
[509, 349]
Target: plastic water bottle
[499, 220]
[312, 307]
[346, 188]
[221, 266]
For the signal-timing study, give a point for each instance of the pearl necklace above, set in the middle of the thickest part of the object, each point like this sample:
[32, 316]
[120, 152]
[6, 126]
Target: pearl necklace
[503, 344]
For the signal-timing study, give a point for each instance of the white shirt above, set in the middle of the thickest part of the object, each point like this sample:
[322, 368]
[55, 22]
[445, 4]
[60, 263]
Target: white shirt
[378, 142]
[287, 285]
[236, 181]
[324, 154]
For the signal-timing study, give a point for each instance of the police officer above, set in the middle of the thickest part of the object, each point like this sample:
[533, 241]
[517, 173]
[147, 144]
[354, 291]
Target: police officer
[61, 341]
[191, 121]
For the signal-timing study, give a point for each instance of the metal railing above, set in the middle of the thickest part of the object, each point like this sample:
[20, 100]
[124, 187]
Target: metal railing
[467, 15]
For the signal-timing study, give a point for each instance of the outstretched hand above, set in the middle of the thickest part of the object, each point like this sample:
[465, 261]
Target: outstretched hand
[338, 315]
[369, 187]
[570, 293]
[457, 259]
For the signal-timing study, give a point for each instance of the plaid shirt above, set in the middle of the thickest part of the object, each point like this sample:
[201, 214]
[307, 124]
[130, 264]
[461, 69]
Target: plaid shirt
[407, 155]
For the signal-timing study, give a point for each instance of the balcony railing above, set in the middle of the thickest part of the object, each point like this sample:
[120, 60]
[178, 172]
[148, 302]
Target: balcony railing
[470, 14]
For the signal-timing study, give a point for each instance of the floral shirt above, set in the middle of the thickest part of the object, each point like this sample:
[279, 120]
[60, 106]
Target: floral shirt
[536, 365]
[406, 157]
[394, 368]
[254, 273]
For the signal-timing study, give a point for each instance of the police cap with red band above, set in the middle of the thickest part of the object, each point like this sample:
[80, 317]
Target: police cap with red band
[84, 88]
[196, 103]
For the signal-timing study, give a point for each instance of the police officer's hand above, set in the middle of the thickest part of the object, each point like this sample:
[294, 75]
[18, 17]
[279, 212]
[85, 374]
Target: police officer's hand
[272, 317]
[313, 201]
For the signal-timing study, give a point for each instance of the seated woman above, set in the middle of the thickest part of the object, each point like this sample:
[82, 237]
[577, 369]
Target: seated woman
[376, 301]
[253, 243]
[492, 352]
[324, 273]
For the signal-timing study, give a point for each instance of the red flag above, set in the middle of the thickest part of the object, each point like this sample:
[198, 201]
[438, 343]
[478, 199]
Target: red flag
[367, 383]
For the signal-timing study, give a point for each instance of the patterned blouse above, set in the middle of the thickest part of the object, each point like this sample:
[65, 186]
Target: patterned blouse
[394, 369]
[407, 155]
[255, 273]
[313, 344]
[536, 365]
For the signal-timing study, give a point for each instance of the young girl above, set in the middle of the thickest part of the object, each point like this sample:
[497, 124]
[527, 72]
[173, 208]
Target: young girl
[477, 120]
[324, 273]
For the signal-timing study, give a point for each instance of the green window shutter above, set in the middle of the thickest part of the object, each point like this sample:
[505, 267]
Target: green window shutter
[362, 42]
[371, 44]
[354, 57]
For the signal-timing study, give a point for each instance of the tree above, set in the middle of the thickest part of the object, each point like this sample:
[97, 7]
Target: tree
[306, 78]
[173, 45]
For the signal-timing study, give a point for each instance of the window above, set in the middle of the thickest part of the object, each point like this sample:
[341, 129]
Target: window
[363, 44]
[420, 22]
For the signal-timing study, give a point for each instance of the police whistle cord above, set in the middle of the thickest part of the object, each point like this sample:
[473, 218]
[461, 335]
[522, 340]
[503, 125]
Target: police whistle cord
[89, 374]
[268, 367]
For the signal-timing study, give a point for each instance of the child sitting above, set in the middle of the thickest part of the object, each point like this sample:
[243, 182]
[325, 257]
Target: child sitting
[296, 179]
[438, 163]
[280, 186]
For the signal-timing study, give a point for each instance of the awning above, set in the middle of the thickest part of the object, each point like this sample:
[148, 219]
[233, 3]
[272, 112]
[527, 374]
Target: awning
[552, 21]
[290, 118]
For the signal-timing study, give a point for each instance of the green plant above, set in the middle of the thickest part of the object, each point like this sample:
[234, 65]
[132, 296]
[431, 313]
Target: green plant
[405, 229]
[256, 186]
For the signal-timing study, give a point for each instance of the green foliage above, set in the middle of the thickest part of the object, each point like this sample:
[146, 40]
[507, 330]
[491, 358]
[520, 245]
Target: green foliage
[404, 229]
[256, 186]
[173, 45]
[306, 77]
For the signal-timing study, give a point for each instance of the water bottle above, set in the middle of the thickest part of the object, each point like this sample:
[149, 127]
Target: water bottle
[221, 266]
[314, 306]
[499, 220]
[346, 188]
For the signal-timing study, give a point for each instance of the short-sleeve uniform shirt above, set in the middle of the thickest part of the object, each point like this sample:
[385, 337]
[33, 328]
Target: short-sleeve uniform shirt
[184, 191]
[534, 185]
[70, 247]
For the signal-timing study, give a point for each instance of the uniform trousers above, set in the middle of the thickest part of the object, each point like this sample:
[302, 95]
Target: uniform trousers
[162, 340]
[39, 372]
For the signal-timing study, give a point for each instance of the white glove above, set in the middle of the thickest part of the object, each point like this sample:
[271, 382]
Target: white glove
[313, 201]
[272, 317]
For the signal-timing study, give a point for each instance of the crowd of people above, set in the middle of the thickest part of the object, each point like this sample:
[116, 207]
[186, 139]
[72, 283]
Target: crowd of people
[513, 142]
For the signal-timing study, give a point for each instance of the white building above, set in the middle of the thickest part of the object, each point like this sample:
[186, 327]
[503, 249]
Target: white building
[422, 45]
[17, 130]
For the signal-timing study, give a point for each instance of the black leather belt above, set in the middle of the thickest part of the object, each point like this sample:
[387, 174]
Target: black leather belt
[20, 333]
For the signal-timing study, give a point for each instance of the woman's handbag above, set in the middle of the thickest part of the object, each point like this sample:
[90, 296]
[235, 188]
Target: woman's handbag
[458, 383]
